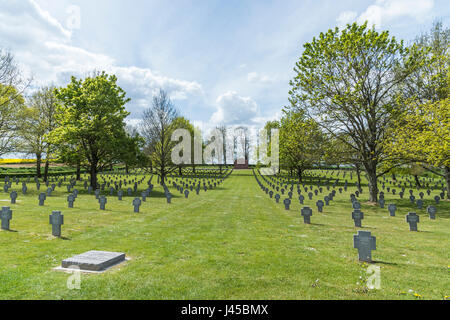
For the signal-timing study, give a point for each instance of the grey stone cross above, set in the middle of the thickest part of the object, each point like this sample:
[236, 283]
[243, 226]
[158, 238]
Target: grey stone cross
[320, 205]
[102, 200]
[432, 212]
[13, 196]
[70, 200]
[307, 213]
[277, 198]
[136, 204]
[56, 220]
[287, 203]
[42, 197]
[365, 243]
[419, 204]
[301, 198]
[169, 197]
[392, 208]
[357, 216]
[5, 216]
[437, 199]
[413, 219]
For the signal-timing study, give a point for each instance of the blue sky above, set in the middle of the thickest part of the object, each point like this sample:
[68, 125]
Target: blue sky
[225, 61]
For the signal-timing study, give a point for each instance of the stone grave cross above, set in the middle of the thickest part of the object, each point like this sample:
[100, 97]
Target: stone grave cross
[56, 220]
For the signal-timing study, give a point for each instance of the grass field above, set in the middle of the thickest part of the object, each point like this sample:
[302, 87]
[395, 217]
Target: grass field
[233, 242]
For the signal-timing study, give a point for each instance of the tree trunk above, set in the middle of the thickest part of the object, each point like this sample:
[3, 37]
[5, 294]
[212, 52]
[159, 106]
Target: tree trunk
[180, 172]
[38, 164]
[416, 178]
[93, 172]
[126, 168]
[447, 179]
[394, 177]
[371, 169]
[78, 171]
[300, 175]
[358, 173]
[193, 168]
[163, 174]
[47, 164]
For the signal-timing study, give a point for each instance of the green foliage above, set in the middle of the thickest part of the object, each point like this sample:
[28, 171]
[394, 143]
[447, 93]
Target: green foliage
[301, 142]
[131, 153]
[36, 121]
[349, 81]
[11, 104]
[422, 134]
[91, 121]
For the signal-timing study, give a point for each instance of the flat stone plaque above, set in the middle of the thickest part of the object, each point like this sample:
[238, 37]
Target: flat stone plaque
[94, 260]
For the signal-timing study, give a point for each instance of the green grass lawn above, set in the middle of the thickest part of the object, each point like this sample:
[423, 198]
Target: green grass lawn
[233, 242]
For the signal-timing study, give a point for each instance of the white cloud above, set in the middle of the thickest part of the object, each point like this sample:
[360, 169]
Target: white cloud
[44, 49]
[254, 77]
[384, 11]
[141, 84]
[346, 17]
[233, 109]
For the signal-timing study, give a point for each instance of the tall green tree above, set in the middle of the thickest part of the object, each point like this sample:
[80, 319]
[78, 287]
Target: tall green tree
[301, 143]
[349, 81]
[91, 117]
[131, 153]
[36, 121]
[420, 135]
[11, 105]
[157, 129]
[183, 123]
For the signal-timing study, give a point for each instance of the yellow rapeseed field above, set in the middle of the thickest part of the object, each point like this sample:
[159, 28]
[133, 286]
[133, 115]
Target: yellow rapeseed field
[14, 161]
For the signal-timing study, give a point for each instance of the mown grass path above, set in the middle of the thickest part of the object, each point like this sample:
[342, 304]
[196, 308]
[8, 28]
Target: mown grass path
[230, 243]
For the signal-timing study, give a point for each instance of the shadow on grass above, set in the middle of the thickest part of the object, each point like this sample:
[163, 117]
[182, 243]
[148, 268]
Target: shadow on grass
[385, 263]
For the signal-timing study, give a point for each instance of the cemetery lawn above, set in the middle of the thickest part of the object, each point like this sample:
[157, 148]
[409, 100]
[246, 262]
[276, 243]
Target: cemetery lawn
[233, 242]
